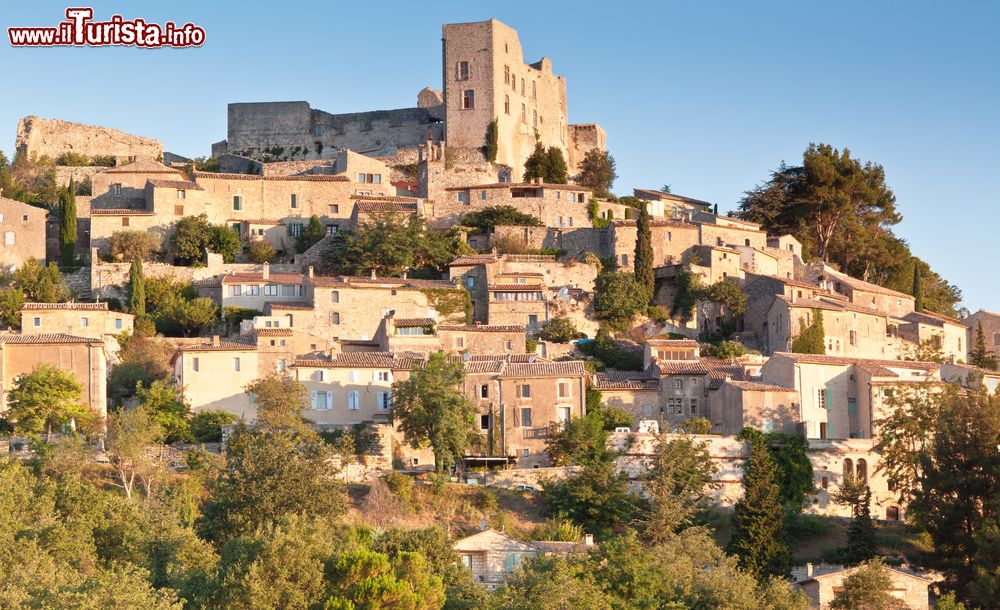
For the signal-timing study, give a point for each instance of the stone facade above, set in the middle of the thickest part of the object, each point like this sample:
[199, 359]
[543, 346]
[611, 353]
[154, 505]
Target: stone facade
[23, 228]
[990, 322]
[765, 407]
[38, 136]
[821, 587]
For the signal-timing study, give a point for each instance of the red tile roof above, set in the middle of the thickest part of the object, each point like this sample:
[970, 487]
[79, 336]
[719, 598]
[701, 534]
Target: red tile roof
[471, 260]
[627, 380]
[273, 332]
[183, 185]
[65, 306]
[298, 178]
[507, 185]
[876, 366]
[224, 345]
[348, 281]
[289, 305]
[47, 338]
[681, 367]
[363, 360]
[143, 166]
[375, 207]
[516, 287]
[386, 198]
[413, 322]
[120, 212]
[862, 285]
[482, 328]
[273, 278]
[672, 342]
[571, 368]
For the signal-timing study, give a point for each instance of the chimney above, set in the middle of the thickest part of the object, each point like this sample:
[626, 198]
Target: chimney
[310, 270]
[588, 539]
[266, 272]
[809, 570]
[215, 341]
[373, 274]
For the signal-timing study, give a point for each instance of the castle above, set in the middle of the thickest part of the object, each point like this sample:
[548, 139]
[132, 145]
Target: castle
[484, 78]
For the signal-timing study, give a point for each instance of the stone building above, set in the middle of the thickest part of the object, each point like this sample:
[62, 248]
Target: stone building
[491, 555]
[124, 187]
[850, 330]
[84, 358]
[487, 79]
[762, 406]
[90, 320]
[821, 586]
[250, 290]
[493, 339]
[990, 323]
[51, 137]
[860, 292]
[670, 205]
[23, 228]
[926, 329]
[672, 241]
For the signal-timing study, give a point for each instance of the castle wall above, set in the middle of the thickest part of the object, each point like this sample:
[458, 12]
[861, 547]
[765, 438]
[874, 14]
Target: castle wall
[52, 137]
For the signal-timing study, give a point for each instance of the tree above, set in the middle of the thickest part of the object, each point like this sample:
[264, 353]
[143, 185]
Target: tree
[130, 434]
[140, 361]
[868, 588]
[11, 302]
[492, 146]
[597, 498]
[431, 409]
[551, 583]
[618, 297]
[759, 537]
[918, 290]
[980, 356]
[725, 350]
[559, 330]
[812, 337]
[206, 425]
[224, 240]
[137, 289]
[644, 253]
[488, 219]
[188, 317]
[44, 399]
[166, 408]
[188, 242]
[366, 579]
[260, 251]
[597, 171]
[67, 223]
[861, 544]
[126, 245]
[937, 294]
[678, 484]
[547, 164]
[390, 244]
[41, 283]
[558, 171]
[584, 440]
[688, 291]
[311, 234]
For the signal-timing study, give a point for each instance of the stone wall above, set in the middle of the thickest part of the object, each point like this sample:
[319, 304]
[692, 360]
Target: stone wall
[517, 478]
[52, 137]
[78, 173]
[573, 241]
[583, 139]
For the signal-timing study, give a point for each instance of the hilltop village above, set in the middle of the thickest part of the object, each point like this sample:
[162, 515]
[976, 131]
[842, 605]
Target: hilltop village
[356, 256]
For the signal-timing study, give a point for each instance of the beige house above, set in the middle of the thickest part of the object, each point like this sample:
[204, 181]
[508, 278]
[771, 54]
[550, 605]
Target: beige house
[672, 241]
[990, 322]
[92, 320]
[23, 228]
[491, 555]
[84, 357]
[253, 290]
[762, 406]
[859, 292]
[821, 584]
[926, 328]
[850, 330]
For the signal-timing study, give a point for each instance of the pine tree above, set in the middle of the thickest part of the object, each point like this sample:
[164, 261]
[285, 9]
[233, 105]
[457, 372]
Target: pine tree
[644, 252]
[137, 289]
[861, 543]
[558, 171]
[980, 356]
[67, 223]
[537, 165]
[759, 537]
[918, 288]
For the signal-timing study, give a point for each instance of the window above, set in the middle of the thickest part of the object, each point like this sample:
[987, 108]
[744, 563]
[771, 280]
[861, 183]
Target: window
[534, 118]
[353, 398]
[334, 296]
[468, 99]
[463, 197]
[825, 482]
[252, 291]
[354, 376]
[506, 105]
[463, 70]
[854, 337]
[334, 208]
[525, 417]
[534, 89]
[289, 291]
[484, 422]
[563, 415]
[294, 201]
[37, 322]
[125, 222]
[526, 452]
[317, 130]
[524, 114]
[563, 389]
[178, 210]
[270, 290]
[332, 229]
[467, 561]
[678, 384]
[295, 229]
[667, 236]
[84, 322]
[321, 401]
[508, 345]
[693, 405]
[237, 202]
[116, 189]
[460, 342]
[524, 391]
[522, 86]
[382, 376]
[181, 193]
[821, 398]
[675, 406]
[624, 260]
[236, 364]
[236, 291]
[482, 195]
[532, 321]
[484, 391]
[470, 282]
[118, 323]
[384, 401]
[506, 75]
[281, 365]
[8, 237]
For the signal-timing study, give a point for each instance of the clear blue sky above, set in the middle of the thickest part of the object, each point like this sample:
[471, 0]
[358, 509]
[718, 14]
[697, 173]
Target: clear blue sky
[705, 96]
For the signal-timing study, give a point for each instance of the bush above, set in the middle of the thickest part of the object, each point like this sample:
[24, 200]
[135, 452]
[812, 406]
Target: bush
[260, 251]
[725, 350]
[508, 244]
[126, 245]
[401, 485]
[607, 350]
[206, 426]
[559, 330]
[618, 297]
[499, 216]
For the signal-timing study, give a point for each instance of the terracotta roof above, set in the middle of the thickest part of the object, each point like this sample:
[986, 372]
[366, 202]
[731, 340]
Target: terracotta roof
[756, 386]
[412, 322]
[545, 369]
[290, 305]
[375, 207]
[386, 198]
[471, 260]
[184, 185]
[273, 278]
[508, 357]
[729, 227]
[484, 366]
[507, 185]
[516, 287]
[224, 345]
[47, 338]
[658, 222]
[862, 285]
[273, 332]
[719, 369]
[363, 360]
[627, 380]
[120, 212]
[881, 367]
[300, 177]
[830, 305]
[787, 281]
[672, 342]
[65, 306]
[258, 221]
[936, 318]
[679, 198]
[522, 274]
[353, 281]
[681, 367]
[143, 166]
[482, 328]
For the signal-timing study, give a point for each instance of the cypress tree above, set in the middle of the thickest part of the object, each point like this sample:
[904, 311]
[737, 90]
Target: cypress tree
[644, 253]
[980, 356]
[759, 538]
[492, 141]
[812, 339]
[557, 171]
[137, 289]
[67, 223]
[537, 165]
[918, 288]
[861, 544]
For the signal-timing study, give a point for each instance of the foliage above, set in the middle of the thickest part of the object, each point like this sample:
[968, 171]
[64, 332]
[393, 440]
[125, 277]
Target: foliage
[11, 302]
[597, 171]
[206, 425]
[163, 402]
[137, 289]
[594, 214]
[937, 294]
[597, 498]
[67, 224]
[698, 425]
[644, 253]
[141, 361]
[812, 336]
[450, 302]
[795, 471]
[130, 434]
[41, 284]
[918, 290]
[260, 251]
[618, 298]
[559, 330]
[724, 350]
[759, 537]
[193, 236]
[547, 164]
[688, 291]
[175, 307]
[492, 146]
[47, 398]
[583, 441]
[861, 541]
[679, 484]
[430, 410]
[366, 579]
[311, 234]
[488, 219]
[868, 588]
[30, 179]
[224, 240]
[606, 350]
[127, 245]
[981, 356]
[390, 244]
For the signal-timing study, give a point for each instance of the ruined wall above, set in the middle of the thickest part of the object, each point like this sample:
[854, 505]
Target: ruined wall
[52, 137]
[582, 140]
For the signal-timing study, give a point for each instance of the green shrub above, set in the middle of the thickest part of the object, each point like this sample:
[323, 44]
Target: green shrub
[206, 426]
[400, 485]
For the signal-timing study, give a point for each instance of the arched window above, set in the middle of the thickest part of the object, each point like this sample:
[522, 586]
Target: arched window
[848, 468]
[863, 470]
[892, 513]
